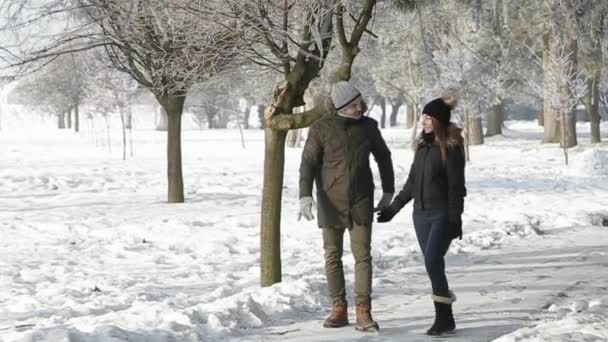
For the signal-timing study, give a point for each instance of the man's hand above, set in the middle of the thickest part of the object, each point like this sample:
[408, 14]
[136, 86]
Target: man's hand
[306, 204]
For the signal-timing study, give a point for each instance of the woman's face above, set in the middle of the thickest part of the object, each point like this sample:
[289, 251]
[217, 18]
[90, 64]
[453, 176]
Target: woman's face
[427, 123]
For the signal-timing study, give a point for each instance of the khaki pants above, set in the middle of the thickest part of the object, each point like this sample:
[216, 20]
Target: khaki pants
[360, 244]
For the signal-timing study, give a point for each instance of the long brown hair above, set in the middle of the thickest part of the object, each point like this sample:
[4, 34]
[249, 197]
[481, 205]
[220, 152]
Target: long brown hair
[445, 136]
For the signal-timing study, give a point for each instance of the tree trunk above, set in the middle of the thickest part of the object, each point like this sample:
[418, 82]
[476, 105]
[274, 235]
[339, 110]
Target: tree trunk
[412, 116]
[551, 132]
[395, 105]
[467, 135]
[270, 236]
[76, 118]
[246, 118]
[413, 142]
[569, 137]
[476, 130]
[541, 114]
[284, 100]
[123, 124]
[130, 128]
[210, 122]
[382, 103]
[495, 119]
[61, 121]
[592, 106]
[261, 110]
[106, 118]
[174, 106]
[131, 142]
[129, 117]
[162, 121]
[69, 118]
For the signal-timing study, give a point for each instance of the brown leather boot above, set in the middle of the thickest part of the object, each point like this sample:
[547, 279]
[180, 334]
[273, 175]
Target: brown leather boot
[338, 316]
[365, 322]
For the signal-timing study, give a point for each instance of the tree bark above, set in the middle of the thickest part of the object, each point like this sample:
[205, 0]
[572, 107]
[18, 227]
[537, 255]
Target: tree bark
[592, 106]
[551, 132]
[494, 120]
[476, 130]
[106, 118]
[130, 128]
[411, 115]
[382, 103]
[395, 105]
[261, 110]
[174, 106]
[69, 118]
[569, 139]
[129, 117]
[210, 122]
[467, 135]
[414, 126]
[61, 121]
[162, 121]
[246, 118]
[570, 134]
[76, 118]
[541, 114]
[270, 235]
[123, 124]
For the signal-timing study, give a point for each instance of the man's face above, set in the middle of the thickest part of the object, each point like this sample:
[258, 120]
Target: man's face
[355, 109]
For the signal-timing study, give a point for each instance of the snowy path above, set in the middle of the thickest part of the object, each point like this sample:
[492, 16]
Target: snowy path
[498, 292]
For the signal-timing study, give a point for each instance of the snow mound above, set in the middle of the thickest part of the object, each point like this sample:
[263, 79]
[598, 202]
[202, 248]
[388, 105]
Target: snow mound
[494, 237]
[256, 308]
[593, 162]
[578, 320]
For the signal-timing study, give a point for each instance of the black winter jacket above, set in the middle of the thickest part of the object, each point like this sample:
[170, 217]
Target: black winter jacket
[434, 183]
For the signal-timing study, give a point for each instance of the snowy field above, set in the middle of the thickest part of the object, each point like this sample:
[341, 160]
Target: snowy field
[89, 251]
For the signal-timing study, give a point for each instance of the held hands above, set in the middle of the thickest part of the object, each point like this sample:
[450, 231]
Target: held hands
[387, 214]
[384, 202]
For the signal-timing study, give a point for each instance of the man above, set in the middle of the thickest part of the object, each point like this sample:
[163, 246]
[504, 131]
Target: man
[336, 158]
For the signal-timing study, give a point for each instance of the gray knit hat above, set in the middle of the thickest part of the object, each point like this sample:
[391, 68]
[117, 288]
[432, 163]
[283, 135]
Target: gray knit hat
[343, 93]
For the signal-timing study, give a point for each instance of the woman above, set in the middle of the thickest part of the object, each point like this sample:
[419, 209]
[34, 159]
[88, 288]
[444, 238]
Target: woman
[436, 183]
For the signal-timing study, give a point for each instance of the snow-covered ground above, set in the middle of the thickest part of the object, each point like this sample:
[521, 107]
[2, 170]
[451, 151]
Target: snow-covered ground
[90, 252]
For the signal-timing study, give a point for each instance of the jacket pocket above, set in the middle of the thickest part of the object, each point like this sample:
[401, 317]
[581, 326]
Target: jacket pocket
[328, 182]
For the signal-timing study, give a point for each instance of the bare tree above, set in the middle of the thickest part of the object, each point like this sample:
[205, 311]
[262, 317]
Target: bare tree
[592, 29]
[111, 92]
[166, 46]
[293, 38]
[57, 88]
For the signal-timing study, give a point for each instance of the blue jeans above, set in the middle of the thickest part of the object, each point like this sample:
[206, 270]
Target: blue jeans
[434, 239]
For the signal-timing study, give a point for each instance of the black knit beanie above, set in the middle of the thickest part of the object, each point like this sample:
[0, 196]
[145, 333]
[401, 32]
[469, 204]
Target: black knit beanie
[439, 110]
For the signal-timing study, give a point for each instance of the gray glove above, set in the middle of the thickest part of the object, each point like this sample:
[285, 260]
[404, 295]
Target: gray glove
[306, 204]
[384, 202]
